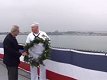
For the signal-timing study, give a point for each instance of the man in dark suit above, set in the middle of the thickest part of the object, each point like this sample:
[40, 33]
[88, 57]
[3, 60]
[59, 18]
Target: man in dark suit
[11, 53]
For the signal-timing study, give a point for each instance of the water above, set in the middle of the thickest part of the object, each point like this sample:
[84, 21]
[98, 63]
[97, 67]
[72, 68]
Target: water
[98, 43]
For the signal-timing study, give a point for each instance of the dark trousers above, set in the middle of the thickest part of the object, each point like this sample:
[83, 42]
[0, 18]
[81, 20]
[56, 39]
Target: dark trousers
[12, 73]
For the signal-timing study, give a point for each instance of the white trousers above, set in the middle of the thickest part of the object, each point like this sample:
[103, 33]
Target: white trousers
[34, 73]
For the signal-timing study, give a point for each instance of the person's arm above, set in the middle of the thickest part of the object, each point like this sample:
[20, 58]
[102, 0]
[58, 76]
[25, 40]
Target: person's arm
[47, 37]
[27, 42]
[28, 39]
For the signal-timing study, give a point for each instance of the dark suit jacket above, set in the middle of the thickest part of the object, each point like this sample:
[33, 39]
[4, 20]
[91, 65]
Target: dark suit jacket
[11, 51]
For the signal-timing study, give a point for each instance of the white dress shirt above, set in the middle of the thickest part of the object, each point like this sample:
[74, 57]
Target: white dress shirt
[37, 49]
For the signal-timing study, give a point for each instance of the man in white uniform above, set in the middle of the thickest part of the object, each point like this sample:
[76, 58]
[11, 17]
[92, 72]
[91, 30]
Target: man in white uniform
[36, 50]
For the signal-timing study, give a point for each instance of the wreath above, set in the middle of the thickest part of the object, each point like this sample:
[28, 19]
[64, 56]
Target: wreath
[45, 55]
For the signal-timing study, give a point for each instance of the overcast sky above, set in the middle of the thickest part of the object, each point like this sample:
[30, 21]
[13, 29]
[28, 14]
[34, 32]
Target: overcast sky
[62, 15]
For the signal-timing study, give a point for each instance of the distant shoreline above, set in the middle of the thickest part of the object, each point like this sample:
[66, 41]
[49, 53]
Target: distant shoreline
[67, 33]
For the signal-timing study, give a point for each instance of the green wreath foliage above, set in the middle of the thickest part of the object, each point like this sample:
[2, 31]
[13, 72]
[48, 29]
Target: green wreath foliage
[45, 55]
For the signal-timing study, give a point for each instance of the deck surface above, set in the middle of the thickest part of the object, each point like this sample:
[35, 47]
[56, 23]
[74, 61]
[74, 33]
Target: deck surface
[22, 75]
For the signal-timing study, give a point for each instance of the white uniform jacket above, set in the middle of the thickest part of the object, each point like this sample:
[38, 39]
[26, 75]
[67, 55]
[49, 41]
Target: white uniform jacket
[37, 49]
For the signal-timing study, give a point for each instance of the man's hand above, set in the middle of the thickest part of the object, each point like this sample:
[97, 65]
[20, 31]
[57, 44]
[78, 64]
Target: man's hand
[24, 53]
